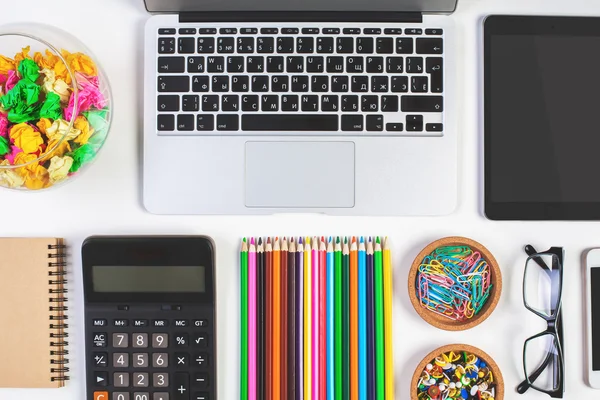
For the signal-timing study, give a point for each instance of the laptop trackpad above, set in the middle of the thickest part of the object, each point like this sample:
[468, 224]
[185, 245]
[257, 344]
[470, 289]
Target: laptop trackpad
[300, 174]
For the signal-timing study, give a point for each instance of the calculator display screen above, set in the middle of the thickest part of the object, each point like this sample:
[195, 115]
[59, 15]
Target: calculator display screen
[148, 279]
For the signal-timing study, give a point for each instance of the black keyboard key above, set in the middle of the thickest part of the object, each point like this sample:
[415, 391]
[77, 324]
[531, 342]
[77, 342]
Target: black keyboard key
[394, 127]
[319, 83]
[389, 103]
[228, 31]
[372, 31]
[100, 359]
[422, 103]
[360, 84]
[220, 83]
[315, 64]
[353, 123]
[300, 83]
[414, 65]
[280, 83]
[171, 64]
[351, 31]
[190, 102]
[355, 64]
[250, 103]
[392, 31]
[380, 84]
[249, 31]
[419, 84]
[310, 31]
[206, 45]
[225, 45]
[164, 122]
[385, 45]
[210, 102]
[185, 122]
[285, 45]
[201, 380]
[269, 31]
[270, 102]
[200, 83]
[195, 64]
[255, 63]
[290, 31]
[399, 84]
[436, 31]
[404, 45]
[290, 122]
[215, 64]
[364, 45]
[168, 103]
[413, 31]
[181, 386]
[240, 83]
[329, 103]
[335, 64]
[101, 378]
[265, 45]
[434, 127]
[434, 65]
[245, 45]
[305, 45]
[325, 45]
[166, 31]
[186, 45]
[235, 64]
[166, 45]
[374, 123]
[138, 323]
[339, 84]
[228, 122]
[430, 46]
[395, 65]
[173, 84]
[369, 103]
[260, 83]
[207, 31]
[345, 45]
[275, 64]
[331, 31]
[187, 31]
[310, 102]
[230, 102]
[350, 103]
[375, 65]
[295, 64]
[289, 102]
[414, 123]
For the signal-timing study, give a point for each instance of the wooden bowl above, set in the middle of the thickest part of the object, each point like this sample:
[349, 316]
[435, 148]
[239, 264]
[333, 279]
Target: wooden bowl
[439, 321]
[458, 348]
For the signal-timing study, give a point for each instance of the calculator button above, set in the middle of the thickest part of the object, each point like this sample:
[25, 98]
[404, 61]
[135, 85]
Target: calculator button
[100, 395]
[181, 383]
[121, 379]
[140, 379]
[121, 396]
[140, 340]
[182, 323]
[141, 396]
[160, 396]
[200, 340]
[99, 322]
[201, 396]
[121, 322]
[101, 378]
[201, 380]
[160, 360]
[120, 340]
[120, 360]
[201, 360]
[181, 339]
[160, 379]
[100, 359]
[201, 323]
[160, 340]
[140, 322]
[99, 339]
[160, 323]
[182, 360]
[140, 360]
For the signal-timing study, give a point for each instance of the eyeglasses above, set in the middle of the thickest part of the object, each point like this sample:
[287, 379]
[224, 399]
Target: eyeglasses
[543, 361]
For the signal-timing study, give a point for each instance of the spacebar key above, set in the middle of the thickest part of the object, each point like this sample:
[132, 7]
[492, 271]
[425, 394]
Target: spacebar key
[289, 122]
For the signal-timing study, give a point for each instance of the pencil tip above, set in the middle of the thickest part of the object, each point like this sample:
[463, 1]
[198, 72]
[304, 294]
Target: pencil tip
[377, 240]
[337, 239]
[268, 240]
[300, 240]
[292, 239]
[252, 241]
[346, 240]
[353, 239]
[259, 241]
[362, 239]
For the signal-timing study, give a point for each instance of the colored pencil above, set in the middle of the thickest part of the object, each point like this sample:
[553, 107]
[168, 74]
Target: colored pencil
[292, 325]
[379, 326]
[371, 392]
[362, 321]
[353, 320]
[261, 344]
[276, 351]
[315, 318]
[338, 332]
[284, 321]
[307, 320]
[244, 321]
[346, 320]
[252, 321]
[330, 324]
[269, 323]
[387, 307]
[300, 320]
[322, 320]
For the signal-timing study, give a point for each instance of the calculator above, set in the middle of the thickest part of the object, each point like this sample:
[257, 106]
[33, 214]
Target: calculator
[150, 318]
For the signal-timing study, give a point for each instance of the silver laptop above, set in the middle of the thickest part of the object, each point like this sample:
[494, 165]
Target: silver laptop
[325, 106]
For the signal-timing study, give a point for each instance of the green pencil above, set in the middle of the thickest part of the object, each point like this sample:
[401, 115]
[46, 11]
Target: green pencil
[338, 318]
[244, 322]
[379, 333]
[346, 320]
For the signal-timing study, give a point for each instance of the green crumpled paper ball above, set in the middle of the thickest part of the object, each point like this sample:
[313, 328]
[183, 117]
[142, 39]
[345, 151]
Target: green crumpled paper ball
[81, 156]
[51, 108]
[29, 70]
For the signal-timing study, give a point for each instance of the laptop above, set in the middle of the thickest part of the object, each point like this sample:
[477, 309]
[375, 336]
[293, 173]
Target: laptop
[342, 107]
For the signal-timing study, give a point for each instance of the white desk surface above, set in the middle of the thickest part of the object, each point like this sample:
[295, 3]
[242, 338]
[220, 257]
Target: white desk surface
[107, 200]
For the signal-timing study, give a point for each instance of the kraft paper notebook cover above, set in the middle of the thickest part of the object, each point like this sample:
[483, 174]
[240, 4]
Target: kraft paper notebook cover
[32, 317]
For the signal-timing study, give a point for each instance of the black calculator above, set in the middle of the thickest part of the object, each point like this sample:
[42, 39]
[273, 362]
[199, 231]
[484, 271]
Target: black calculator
[150, 318]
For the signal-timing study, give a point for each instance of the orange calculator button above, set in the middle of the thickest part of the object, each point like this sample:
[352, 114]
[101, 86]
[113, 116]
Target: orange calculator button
[100, 395]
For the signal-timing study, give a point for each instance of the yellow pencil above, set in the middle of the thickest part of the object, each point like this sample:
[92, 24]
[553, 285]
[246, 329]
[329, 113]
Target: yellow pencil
[307, 321]
[387, 307]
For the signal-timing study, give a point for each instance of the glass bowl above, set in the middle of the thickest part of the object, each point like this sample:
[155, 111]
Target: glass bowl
[55, 106]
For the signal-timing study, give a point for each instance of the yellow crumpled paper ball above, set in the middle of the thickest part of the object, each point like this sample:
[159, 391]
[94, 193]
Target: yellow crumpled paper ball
[6, 64]
[83, 125]
[26, 138]
[35, 175]
[58, 86]
[59, 128]
[22, 55]
[46, 62]
[78, 62]
[59, 168]
[9, 177]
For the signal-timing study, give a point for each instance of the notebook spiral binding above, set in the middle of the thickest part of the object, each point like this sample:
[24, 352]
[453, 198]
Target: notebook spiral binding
[57, 272]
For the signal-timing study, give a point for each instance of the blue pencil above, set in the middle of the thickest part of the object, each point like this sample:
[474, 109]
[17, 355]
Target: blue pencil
[370, 322]
[330, 324]
[362, 320]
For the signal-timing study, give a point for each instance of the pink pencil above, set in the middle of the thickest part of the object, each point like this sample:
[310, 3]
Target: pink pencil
[252, 321]
[315, 320]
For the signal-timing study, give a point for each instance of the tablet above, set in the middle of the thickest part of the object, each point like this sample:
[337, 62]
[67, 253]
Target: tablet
[542, 118]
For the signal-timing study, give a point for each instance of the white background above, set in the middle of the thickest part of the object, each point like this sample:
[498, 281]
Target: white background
[107, 200]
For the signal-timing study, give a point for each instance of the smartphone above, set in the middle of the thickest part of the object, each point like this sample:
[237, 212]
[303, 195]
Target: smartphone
[592, 293]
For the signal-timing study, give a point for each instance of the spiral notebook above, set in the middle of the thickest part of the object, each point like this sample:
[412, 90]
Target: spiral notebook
[32, 319]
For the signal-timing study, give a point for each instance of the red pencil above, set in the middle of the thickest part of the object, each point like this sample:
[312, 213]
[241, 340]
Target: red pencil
[284, 325]
[269, 322]
[322, 320]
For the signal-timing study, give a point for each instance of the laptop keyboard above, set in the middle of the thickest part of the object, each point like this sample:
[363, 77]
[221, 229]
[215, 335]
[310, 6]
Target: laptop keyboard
[300, 80]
